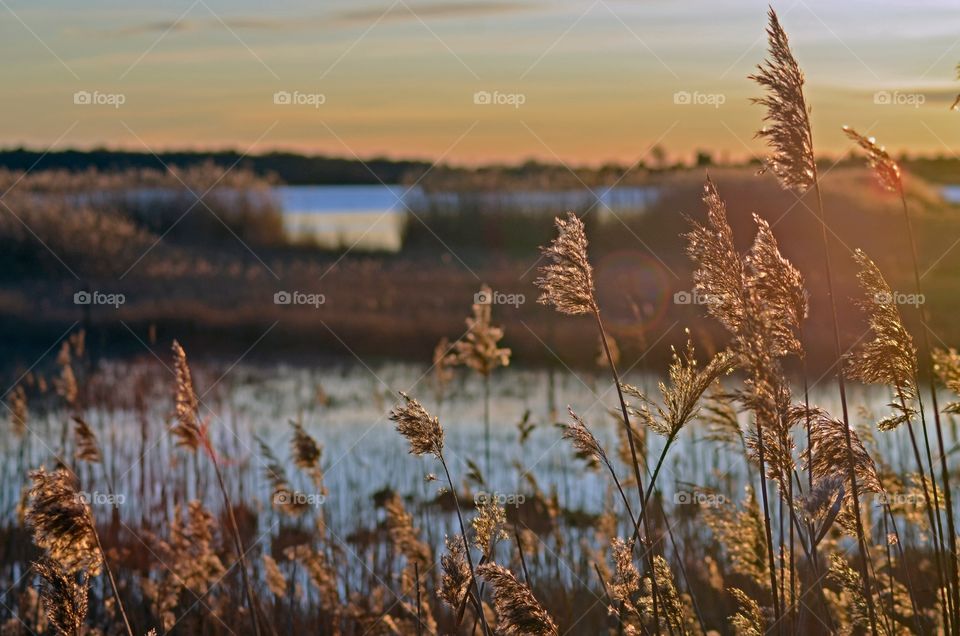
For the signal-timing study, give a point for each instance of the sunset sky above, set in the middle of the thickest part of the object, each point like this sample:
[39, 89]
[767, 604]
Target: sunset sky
[597, 79]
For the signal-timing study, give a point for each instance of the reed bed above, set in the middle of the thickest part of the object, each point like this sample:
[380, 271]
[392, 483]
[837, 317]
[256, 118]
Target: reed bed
[732, 496]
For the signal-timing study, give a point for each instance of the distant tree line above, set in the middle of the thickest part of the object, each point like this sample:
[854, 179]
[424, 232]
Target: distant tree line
[297, 169]
[291, 168]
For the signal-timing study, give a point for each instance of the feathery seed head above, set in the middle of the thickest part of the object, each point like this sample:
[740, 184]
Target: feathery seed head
[583, 440]
[890, 358]
[488, 525]
[88, 449]
[828, 450]
[18, 410]
[720, 274]
[519, 611]
[479, 349]
[788, 124]
[421, 430]
[688, 383]
[886, 169]
[567, 281]
[62, 522]
[276, 582]
[187, 428]
[456, 573]
[306, 451]
[64, 599]
[776, 287]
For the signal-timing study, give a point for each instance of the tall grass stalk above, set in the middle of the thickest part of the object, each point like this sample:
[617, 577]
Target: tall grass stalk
[793, 161]
[567, 284]
[426, 438]
[927, 358]
[890, 177]
[838, 351]
[193, 435]
[644, 517]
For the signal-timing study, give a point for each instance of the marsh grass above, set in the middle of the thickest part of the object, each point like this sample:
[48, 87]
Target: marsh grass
[785, 489]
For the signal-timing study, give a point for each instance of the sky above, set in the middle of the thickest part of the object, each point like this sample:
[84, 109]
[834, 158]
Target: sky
[468, 81]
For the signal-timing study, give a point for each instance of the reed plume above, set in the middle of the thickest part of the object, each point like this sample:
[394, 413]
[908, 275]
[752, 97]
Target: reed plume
[488, 526]
[852, 600]
[890, 357]
[741, 533]
[956, 103]
[584, 442]
[518, 611]
[625, 585]
[194, 565]
[66, 384]
[187, 429]
[284, 498]
[276, 582]
[422, 431]
[828, 456]
[479, 348]
[567, 282]
[749, 619]
[406, 539]
[305, 450]
[781, 298]
[322, 575]
[787, 118]
[17, 405]
[884, 167]
[62, 522]
[87, 447]
[674, 608]
[64, 598]
[947, 367]
[587, 446]
[821, 505]
[455, 580]
[443, 363]
[681, 399]
[64, 526]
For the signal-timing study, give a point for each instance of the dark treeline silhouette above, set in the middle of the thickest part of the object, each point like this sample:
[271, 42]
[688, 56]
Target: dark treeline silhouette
[286, 167]
[298, 169]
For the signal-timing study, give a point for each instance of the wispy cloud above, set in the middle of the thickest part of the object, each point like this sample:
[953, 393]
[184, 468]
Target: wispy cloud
[336, 19]
[890, 93]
